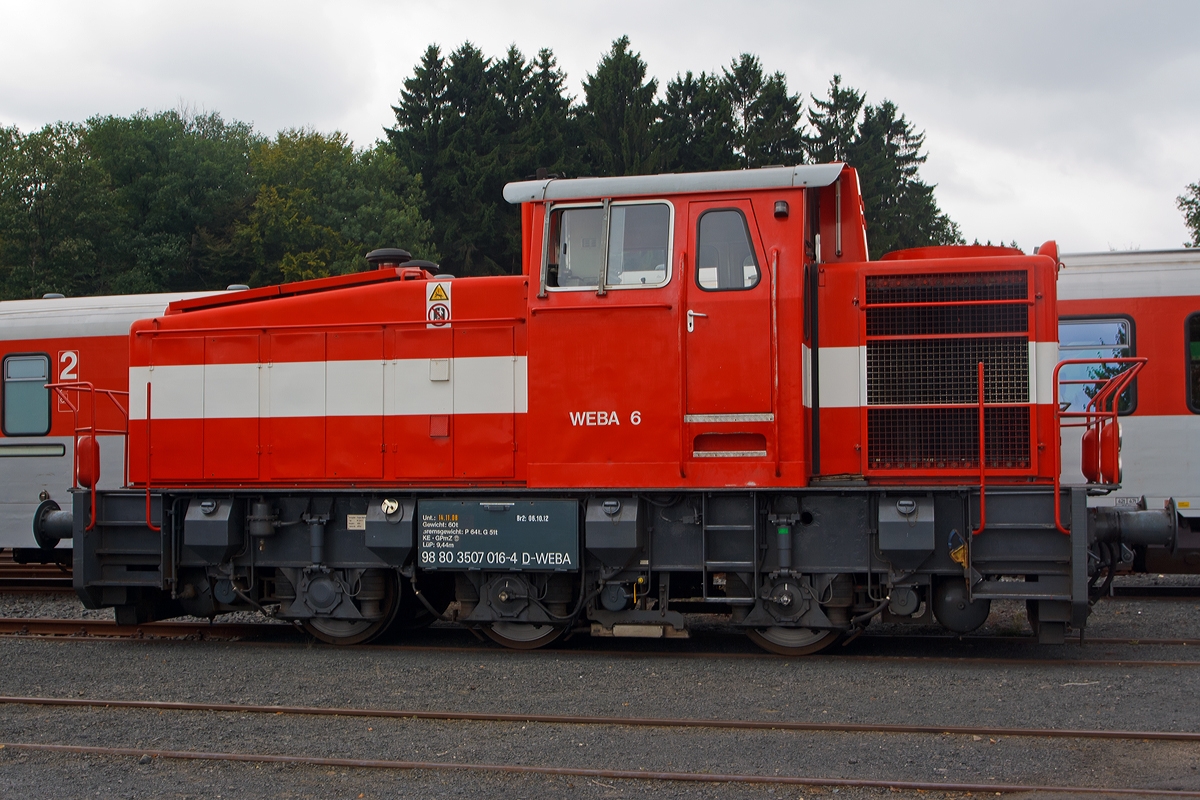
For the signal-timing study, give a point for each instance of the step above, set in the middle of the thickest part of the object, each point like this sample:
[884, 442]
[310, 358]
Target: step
[1054, 588]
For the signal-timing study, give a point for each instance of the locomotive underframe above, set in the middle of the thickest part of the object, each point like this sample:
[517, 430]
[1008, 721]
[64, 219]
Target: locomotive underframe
[821, 560]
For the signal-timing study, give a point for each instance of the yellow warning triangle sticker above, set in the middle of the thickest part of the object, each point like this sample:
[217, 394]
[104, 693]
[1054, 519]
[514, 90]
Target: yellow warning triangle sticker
[438, 293]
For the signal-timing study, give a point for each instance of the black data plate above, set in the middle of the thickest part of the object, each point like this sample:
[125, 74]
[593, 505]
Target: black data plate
[513, 535]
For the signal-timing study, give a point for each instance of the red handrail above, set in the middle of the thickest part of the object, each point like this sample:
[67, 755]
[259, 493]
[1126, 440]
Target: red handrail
[982, 462]
[63, 392]
[149, 442]
[1100, 412]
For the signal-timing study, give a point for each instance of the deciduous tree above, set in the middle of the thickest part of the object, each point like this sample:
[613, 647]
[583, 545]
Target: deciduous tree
[1189, 204]
[321, 205]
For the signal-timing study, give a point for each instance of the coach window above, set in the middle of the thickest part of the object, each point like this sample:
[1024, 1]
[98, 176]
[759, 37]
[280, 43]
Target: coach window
[638, 251]
[26, 398]
[1093, 339]
[1193, 362]
[724, 253]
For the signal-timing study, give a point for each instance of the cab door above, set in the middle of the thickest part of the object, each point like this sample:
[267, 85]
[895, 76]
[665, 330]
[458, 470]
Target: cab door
[728, 316]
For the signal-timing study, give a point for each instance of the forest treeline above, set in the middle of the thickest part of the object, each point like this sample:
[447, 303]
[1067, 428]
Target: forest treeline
[175, 201]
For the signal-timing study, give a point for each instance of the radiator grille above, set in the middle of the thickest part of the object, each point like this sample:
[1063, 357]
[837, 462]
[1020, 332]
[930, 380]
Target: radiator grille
[947, 438]
[933, 320]
[949, 287]
[945, 371]
[923, 349]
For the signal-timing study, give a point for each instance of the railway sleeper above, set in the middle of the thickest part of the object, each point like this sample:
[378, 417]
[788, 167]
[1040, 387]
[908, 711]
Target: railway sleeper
[794, 570]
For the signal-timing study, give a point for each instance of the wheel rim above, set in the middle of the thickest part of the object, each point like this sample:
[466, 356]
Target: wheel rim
[522, 635]
[358, 631]
[793, 641]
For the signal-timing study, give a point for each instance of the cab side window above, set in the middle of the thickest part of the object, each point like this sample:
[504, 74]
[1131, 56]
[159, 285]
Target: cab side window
[1192, 329]
[577, 235]
[725, 259]
[638, 237]
[26, 398]
[1093, 339]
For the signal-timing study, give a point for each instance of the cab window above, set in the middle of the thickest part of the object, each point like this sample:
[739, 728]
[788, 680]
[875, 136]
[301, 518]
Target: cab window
[638, 237]
[1192, 329]
[26, 398]
[1093, 339]
[724, 253]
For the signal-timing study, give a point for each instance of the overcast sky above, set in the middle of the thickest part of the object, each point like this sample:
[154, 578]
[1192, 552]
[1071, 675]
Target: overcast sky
[1077, 121]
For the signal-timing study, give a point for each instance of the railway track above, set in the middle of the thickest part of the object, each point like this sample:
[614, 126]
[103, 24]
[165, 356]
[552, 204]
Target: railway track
[608, 774]
[592, 720]
[602, 722]
[107, 629]
[16, 577]
[268, 633]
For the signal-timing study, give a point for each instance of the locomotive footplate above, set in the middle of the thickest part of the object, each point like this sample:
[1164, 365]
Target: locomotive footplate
[498, 535]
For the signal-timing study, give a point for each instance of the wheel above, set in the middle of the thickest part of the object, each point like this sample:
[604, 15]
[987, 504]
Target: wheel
[522, 635]
[359, 631]
[793, 641]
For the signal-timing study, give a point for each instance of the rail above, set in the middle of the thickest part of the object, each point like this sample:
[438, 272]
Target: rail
[69, 394]
[1097, 417]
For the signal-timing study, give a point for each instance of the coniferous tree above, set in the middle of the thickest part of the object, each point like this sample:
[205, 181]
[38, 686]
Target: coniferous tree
[468, 125]
[419, 117]
[466, 190]
[552, 140]
[697, 130]
[766, 119]
[539, 134]
[901, 211]
[619, 116]
[834, 123]
[1189, 204]
[448, 131]
[885, 148]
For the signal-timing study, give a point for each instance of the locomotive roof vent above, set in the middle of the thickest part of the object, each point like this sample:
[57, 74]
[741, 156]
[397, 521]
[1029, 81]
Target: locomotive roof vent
[53, 296]
[236, 287]
[388, 257]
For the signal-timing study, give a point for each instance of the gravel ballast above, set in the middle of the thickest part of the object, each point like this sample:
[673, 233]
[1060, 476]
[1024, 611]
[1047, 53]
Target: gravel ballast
[860, 683]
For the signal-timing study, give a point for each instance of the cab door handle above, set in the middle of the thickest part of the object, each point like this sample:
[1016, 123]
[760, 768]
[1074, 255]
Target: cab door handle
[692, 319]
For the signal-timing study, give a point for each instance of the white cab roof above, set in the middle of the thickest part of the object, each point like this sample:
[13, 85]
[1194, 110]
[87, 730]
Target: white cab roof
[810, 175]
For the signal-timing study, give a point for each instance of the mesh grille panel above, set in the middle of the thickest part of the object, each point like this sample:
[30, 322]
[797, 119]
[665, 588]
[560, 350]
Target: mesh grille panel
[944, 371]
[952, 287]
[927, 320]
[946, 438]
[923, 352]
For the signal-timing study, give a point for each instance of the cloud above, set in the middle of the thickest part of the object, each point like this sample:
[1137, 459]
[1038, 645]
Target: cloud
[1071, 119]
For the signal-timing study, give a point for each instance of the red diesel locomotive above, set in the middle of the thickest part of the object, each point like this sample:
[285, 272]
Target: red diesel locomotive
[700, 395]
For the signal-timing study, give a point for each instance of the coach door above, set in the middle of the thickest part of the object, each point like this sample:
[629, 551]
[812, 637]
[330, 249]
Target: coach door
[728, 317]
